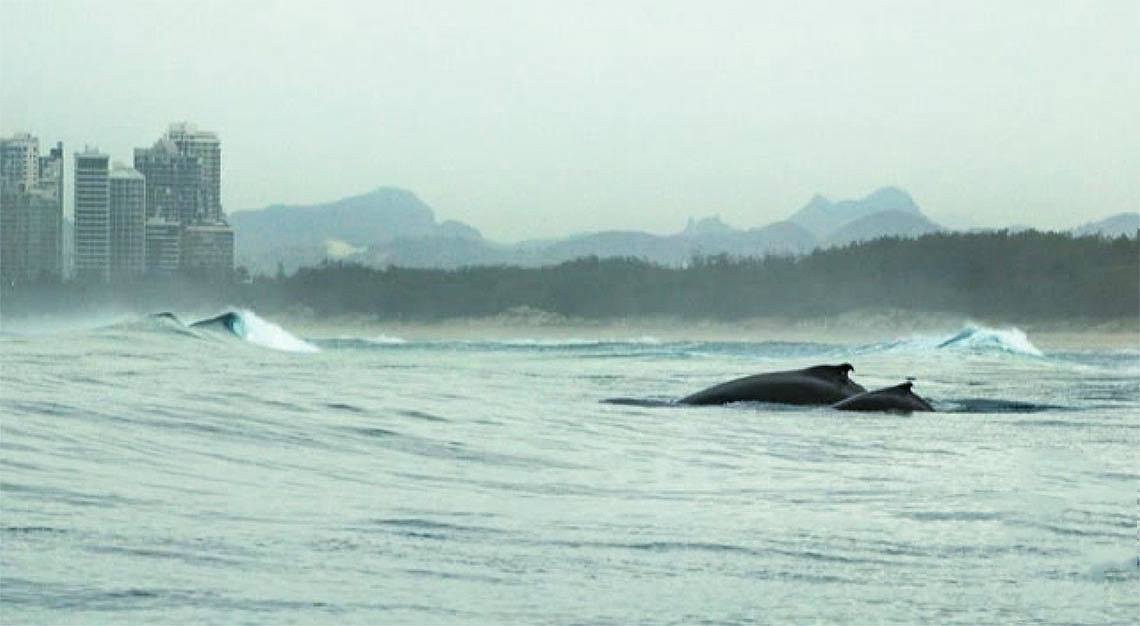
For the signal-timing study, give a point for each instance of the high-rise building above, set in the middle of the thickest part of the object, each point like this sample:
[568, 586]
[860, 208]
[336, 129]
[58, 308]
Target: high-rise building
[183, 192]
[174, 187]
[19, 161]
[128, 223]
[207, 150]
[208, 251]
[92, 216]
[31, 210]
[163, 246]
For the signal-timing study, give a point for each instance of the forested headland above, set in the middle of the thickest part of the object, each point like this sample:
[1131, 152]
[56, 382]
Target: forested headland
[1000, 275]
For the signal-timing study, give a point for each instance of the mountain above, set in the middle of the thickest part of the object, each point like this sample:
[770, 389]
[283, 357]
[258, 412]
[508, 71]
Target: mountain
[822, 217]
[883, 224]
[1125, 224]
[300, 234]
[704, 237]
[711, 238]
[392, 226]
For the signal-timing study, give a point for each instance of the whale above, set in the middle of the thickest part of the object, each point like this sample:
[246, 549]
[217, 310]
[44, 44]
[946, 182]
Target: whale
[897, 399]
[818, 385]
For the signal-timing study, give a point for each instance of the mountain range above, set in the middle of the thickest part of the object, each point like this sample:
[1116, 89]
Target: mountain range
[391, 226]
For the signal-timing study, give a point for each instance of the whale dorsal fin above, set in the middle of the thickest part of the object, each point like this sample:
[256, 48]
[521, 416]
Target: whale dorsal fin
[840, 370]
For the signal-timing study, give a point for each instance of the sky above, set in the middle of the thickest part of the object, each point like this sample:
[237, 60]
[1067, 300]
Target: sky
[540, 119]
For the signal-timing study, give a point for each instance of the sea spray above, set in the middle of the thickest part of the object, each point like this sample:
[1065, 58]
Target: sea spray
[264, 333]
[971, 338]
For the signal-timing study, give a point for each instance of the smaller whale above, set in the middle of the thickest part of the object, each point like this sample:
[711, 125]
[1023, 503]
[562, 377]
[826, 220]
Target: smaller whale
[895, 399]
[821, 384]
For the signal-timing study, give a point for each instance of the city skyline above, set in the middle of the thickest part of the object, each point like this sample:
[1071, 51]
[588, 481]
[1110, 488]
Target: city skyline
[560, 119]
[159, 218]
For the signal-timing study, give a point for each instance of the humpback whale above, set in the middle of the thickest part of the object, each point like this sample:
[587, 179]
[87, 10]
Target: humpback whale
[821, 384]
[898, 398]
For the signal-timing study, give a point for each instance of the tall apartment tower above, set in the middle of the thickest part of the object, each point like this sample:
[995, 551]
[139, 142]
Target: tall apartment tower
[207, 150]
[19, 161]
[186, 229]
[127, 223]
[31, 210]
[163, 247]
[174, 188]
[92, 216]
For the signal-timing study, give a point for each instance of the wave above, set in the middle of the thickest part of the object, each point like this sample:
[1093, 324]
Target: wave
[573, 342]
[971, 338]
[248, 326]
[981, 338]
[995, 405]
[385, 341]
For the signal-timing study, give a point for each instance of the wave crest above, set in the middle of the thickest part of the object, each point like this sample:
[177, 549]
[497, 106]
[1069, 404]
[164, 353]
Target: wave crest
[248, 326]
[970, 338]
[981, 338]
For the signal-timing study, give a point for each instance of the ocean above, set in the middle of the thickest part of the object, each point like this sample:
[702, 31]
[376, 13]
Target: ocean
[158, 473]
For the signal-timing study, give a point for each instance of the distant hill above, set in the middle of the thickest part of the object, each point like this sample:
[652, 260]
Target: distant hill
[296, 234]
[883, 224]
[391, 226]
[713, 237]
[777, 238]
[823, 218]
[705, 237]
[1114, 226]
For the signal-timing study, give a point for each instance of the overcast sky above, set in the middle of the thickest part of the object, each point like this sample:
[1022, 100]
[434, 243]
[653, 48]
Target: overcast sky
[536, 119]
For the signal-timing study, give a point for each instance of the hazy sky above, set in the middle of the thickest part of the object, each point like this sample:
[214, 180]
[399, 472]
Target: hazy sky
[542, 118]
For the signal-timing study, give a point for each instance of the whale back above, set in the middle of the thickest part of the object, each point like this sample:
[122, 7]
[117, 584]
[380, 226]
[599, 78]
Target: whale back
[836, 374]
[821, 384]
[899, 398]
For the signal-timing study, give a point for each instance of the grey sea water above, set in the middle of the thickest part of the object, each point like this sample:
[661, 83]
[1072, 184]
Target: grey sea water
[157, 474]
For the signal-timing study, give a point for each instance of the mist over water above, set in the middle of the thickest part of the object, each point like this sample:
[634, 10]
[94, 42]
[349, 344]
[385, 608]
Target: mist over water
[161, 472]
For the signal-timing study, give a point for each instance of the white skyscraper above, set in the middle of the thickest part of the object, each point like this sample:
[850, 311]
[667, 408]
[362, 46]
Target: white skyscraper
[31, 210]
[183, 172]
[205, 147]
[128, 223]
[19, 161]
[92, 216]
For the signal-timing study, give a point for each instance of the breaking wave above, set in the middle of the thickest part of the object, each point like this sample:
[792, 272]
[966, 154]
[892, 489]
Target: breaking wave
[249, 327]
[386, 340]
[981, 338]
[971, 338]
[574, 342]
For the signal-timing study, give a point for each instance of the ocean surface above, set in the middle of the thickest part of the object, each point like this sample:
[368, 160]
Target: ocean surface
[236, 473]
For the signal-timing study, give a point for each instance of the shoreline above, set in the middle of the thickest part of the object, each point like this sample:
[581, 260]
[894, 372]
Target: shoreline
[853, 328]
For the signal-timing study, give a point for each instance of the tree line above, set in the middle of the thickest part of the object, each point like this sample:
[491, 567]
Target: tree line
[1027, 275]
[1018, 276]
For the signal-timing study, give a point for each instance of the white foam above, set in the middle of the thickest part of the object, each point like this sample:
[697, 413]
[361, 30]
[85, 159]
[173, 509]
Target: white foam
[386, 340]
[980, 337]
[575, 342]
[269, 335]
[971, 338]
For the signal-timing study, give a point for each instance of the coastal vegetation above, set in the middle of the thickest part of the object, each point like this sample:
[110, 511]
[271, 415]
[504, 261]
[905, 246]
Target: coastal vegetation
[1027, 275]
